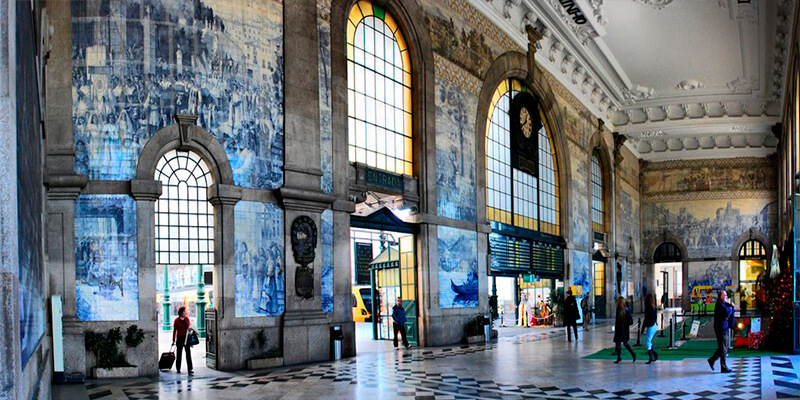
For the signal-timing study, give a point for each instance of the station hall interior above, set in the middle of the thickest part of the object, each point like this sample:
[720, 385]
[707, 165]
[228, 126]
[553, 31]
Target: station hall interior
[411, 199]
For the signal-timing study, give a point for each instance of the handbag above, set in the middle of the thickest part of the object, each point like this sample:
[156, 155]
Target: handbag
[192, 339]
[628, 318]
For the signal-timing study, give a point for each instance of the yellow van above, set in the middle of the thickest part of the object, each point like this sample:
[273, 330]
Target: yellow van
[362, 304]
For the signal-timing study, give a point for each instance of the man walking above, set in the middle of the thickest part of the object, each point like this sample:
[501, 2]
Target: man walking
[399, 322]
[723, 321]
[571, 315]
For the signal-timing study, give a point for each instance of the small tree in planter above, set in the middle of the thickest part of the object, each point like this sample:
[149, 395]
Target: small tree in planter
[266, 358]
[557, 301]
[111, 363]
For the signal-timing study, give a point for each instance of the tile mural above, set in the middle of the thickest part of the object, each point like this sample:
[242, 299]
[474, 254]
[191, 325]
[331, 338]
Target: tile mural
[259, 259]
[709, 175]
[628, 222]
[716, 274]
[458, 267]
[106, 268]
[582, 270]
[580, 198]
[708, 228]
[455, 152]
[137, 63]
[326, 282]
[325, 122]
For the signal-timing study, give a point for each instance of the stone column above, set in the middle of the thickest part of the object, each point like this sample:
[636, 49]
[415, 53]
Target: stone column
[62, 190]
[224, 198]
[619, 141]
[146, 193]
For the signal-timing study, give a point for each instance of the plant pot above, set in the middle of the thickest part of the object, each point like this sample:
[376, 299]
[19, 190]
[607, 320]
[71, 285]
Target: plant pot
[476, 339]
[263, 363]
[115, 373]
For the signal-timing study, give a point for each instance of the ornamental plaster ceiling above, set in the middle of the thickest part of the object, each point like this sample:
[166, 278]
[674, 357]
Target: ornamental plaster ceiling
[681, 79]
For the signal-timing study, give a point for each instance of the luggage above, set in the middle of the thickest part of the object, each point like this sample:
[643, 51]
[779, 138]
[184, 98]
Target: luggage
[166, 360]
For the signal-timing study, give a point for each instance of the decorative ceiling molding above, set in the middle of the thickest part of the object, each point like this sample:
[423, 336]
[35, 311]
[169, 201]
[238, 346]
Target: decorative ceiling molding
[657, 4]
[581, 61]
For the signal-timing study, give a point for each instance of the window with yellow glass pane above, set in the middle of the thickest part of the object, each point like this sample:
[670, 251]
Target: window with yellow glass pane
[512, 196]
[598, 212]
[378, 91]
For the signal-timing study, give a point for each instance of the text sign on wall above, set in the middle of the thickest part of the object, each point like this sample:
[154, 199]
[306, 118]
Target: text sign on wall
[383, 179]
[572, 9]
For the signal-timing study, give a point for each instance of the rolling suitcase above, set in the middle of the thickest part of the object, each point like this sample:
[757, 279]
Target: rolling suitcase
[166, 360]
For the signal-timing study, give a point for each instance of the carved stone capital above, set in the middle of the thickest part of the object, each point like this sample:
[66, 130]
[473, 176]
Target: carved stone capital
[533, 38]
[145, 189]
[305, 200]
[65, 187]
[226, 195]
[619, 141]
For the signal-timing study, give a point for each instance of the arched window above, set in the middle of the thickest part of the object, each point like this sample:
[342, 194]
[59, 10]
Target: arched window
[598, 212]
[752, 265]
[515, 197]
[184, 217]
[379, 91]
[667, 252]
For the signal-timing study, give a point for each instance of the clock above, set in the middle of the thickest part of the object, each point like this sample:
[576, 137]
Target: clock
[526, 122]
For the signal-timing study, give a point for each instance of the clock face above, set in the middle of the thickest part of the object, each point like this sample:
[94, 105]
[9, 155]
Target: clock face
[525, 122]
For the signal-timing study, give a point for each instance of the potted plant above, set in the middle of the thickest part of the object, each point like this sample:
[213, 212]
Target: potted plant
[473, 331]
[111, 363]
[269, 358]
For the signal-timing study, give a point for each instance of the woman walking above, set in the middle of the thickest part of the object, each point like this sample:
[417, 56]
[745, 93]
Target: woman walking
[180, 330]
[622, 332]
[649, 328]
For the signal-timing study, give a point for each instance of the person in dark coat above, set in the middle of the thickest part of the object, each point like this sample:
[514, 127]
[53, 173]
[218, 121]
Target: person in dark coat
[723, 321]
[622, 332]
[571, 315]
[649, 327]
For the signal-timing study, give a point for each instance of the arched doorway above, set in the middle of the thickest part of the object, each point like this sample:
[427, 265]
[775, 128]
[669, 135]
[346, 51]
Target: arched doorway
[752, 265]
[668, 266]
[184, 243]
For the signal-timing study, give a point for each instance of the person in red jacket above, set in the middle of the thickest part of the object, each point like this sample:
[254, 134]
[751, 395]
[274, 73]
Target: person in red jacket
[180, 329]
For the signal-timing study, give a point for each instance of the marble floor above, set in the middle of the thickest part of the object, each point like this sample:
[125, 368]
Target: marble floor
[535, 364]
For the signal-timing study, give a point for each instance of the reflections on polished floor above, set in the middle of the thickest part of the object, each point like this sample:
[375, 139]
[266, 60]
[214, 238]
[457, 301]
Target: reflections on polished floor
[537, 364]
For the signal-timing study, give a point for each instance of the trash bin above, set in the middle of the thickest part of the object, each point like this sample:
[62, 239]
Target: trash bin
[336, 342]
[487, 327]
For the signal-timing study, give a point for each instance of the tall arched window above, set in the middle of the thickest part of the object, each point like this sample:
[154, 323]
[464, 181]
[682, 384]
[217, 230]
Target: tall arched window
[752, 266]
[379, 91]
[184, 217]
[515, 197]
[598, 212]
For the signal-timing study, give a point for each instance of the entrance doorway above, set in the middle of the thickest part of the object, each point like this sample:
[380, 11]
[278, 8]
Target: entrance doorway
[668, 271]
[184, 249]
[599, 284]
[383, 268]
[752, 267]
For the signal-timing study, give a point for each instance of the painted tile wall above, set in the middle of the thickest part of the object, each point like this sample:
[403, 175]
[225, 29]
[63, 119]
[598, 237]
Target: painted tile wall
[582, 270]
[327, 261]
[581, 234]
[716, 274]
[259, 247]
[29, 192]
[138, 62]
[325, 123]
[458, 267]
[455, 151]
[106, 268]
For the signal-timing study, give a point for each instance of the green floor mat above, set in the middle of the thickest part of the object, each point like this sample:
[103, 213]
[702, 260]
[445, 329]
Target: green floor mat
[693, 348]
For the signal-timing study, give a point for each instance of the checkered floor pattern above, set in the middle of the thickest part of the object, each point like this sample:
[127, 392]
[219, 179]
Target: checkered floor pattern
[411, 382]
[786, 377]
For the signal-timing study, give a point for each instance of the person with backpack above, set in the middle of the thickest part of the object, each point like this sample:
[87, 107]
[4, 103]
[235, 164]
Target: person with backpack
[622, 334]
[723, 322]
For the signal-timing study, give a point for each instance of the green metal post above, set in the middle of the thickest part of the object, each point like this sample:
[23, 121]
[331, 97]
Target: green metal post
[201, 304]
[165, 301]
